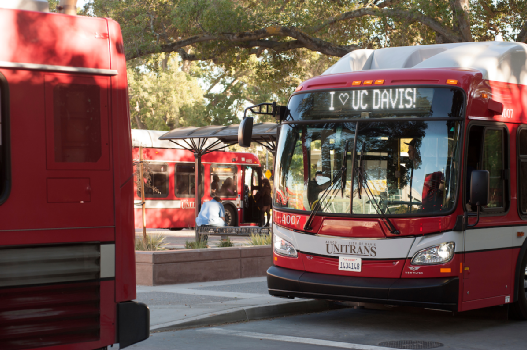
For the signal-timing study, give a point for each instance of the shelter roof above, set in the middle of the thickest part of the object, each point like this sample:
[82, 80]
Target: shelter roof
[496, 60]
[150, 139]
[263, 133]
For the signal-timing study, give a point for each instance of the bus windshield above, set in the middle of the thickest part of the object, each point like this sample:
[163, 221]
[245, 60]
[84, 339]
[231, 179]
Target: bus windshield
[390, 167]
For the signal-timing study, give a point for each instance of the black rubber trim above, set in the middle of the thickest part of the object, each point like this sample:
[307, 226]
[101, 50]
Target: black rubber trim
[5, 136]
[133, 323]
[437, 293]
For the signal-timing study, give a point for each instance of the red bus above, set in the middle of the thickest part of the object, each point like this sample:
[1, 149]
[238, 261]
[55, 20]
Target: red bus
[67, 259]
[233, 176]
[400, 179]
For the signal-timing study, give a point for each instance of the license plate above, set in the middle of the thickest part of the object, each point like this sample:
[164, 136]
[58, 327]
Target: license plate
[350, 264]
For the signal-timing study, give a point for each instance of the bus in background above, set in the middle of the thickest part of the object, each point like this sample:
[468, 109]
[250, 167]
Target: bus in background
[233, 176]
[67, 259]
[400, 179]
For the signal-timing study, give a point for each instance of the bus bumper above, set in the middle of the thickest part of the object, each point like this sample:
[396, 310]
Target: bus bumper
[436, 293]
[133, 323]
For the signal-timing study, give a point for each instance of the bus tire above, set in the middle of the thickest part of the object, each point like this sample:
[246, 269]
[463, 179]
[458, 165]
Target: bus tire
[230, 216]
[518, 309]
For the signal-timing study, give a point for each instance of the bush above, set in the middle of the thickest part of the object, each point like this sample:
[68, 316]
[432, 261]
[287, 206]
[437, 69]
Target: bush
[201, 244]
[260, 239]
[153, 242]
[225, 243]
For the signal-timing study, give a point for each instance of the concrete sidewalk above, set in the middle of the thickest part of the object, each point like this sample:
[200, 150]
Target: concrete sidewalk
[181, 306]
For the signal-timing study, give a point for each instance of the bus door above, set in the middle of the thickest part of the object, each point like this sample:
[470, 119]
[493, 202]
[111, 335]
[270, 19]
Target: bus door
[487, 269]
[251, 185]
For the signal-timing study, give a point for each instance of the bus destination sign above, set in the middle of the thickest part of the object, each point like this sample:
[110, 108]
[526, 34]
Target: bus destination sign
[394, 99]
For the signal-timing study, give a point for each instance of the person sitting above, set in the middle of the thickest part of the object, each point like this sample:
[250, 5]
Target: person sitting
[315, 186]
[212, 213]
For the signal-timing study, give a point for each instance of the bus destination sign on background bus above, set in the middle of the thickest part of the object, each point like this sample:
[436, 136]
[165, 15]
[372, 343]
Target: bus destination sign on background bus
[380, 100]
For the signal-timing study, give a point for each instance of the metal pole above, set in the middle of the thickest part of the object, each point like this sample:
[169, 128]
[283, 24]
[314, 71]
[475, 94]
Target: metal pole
[266, 159]
[197, 197]
[145, 240]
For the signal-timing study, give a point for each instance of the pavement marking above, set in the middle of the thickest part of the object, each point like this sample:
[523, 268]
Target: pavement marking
[289, 339]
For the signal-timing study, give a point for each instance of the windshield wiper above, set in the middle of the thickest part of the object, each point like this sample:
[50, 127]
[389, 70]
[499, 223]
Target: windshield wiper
[363, 183]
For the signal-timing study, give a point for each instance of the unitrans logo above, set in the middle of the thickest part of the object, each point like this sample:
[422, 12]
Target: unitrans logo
[352, 248]
[414, 268]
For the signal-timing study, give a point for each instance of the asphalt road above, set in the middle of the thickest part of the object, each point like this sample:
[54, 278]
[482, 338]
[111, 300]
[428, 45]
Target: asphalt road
[367, 329]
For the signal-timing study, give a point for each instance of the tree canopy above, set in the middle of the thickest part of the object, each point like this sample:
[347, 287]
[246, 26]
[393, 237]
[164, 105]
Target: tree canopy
[257, 51]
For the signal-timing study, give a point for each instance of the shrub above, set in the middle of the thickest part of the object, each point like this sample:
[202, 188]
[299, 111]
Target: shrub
[201, 244]
[264, 239]
[225, 243]
[153, 242]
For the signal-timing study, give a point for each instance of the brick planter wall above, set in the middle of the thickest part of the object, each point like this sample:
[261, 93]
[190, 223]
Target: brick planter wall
[201, 265]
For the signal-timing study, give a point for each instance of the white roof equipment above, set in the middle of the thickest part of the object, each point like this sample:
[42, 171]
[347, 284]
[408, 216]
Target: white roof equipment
[496, 60]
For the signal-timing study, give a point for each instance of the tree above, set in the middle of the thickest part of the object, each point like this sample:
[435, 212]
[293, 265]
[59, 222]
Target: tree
[231, 30]
[251, 51]
[164, 99]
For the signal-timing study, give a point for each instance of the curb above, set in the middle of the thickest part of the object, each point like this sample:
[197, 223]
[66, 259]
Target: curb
[250, 314]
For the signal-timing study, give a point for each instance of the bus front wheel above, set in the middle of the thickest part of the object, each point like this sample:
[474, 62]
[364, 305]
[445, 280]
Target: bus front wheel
[518, 309]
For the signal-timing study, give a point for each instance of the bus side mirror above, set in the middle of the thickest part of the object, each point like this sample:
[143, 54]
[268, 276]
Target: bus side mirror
[479, 188]
[245, 132]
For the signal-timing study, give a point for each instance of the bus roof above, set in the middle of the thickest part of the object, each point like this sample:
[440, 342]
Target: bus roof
[496, 60]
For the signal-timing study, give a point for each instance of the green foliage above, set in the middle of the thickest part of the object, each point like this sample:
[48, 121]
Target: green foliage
[200, 244]
[154, 242]
[250, 52]
[260, 239]
[225, 243]
[164, 99]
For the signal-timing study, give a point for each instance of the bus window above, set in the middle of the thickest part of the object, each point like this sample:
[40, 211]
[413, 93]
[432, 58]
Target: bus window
[77, 123]
[490, 157]
[522, 157]
[186, 180]
[158, 180]
[493, 161]
[223, 180]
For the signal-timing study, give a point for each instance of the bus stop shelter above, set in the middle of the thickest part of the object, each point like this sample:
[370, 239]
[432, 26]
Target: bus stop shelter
[207, 139]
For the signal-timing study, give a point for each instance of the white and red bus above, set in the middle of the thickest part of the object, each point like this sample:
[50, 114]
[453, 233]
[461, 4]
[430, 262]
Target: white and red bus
[233, 176]
[401, 178]
[67, 259]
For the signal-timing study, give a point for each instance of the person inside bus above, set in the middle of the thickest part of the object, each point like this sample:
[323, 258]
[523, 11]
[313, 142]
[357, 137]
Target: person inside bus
[264, 201]
[215, 185]
[227, 189]
[182, 185]
[212, 213]
[433, 188]
[315, 186]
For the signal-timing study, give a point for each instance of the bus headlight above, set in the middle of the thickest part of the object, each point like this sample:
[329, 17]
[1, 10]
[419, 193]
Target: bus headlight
[283, 247]
[438, 254]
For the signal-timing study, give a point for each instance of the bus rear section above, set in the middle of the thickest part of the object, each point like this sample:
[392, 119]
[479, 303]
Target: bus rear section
[399, 180]
[67, 264]
[170, 183]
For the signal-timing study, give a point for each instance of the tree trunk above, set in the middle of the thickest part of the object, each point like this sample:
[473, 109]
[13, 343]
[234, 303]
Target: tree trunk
[461, 12]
